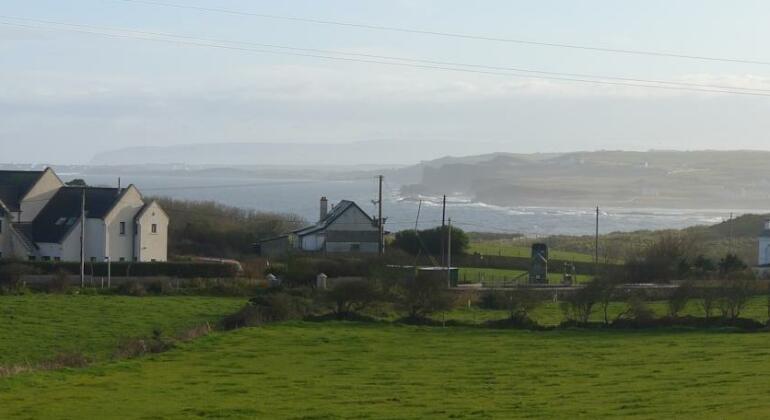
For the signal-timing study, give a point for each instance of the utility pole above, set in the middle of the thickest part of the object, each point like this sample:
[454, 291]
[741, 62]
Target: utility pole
[596, 242]
[82, 237]
[449, 255]
[730, 240]
[380, 223]
[443, 219]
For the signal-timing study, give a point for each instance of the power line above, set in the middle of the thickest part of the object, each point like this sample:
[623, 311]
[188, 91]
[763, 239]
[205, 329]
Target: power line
[386, 57]
[566, 76]
[451, 34]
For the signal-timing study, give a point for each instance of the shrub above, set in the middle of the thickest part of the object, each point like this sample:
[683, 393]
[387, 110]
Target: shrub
[351, 296]
[519, 303]
[578, 306]
[132, 288]
[65, 360]
[735, 295]
[11, 276]
[708, 298]
[135, 347]
[59, 283]
[425, 296]
[430, 241]
[678, 299]
[637, 309]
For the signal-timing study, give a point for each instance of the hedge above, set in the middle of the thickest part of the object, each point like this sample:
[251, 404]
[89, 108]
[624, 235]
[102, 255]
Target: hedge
[183, 269]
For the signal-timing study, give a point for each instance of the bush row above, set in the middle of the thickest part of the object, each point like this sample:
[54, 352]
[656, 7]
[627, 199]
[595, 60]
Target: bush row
[182, 269]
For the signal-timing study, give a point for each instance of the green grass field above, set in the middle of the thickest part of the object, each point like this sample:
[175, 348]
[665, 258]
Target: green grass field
[508, 248]
[37, 326]
[477, 275]
[347, 370]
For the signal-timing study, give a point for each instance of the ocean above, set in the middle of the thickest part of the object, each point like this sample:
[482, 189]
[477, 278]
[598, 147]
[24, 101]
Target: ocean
[301, 197]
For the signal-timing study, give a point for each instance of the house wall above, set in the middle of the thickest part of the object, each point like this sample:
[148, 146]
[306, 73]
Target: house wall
[365, 247]
[764, 251]
[38, 196]
[313, 242]
[5, 237]
[122, 245]
[354, 221]
[152, 246]
[70, 245]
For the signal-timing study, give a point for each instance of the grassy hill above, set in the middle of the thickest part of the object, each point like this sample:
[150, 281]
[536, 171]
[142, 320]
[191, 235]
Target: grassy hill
[738, 236]
[37, 327]
[670, 179]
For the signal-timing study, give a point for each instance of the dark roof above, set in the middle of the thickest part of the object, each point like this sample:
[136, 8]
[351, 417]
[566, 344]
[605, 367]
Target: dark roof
[14, 185]
[63, 210]
[333, 215]
[24, 230]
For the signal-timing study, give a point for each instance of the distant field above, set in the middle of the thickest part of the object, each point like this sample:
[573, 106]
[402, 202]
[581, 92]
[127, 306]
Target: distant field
[476, 275]
[507, 249]
[550, 314]
[37, 327]
[354, 371]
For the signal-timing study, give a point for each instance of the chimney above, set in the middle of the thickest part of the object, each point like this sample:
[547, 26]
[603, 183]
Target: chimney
[324, 208]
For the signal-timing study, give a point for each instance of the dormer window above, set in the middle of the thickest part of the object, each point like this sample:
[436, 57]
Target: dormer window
[61, 221]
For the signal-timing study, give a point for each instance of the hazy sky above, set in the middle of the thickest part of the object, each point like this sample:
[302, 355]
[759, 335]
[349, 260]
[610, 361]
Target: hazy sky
[65, 96]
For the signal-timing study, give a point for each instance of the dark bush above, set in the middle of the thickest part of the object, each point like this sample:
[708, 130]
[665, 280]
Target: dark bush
[11, 275]
[422, 297]
[59, 283]
[132, 288]
[519, 303]
[351, 297]
[577, 307]
[181, 269]
[679, 298]
[431, 241]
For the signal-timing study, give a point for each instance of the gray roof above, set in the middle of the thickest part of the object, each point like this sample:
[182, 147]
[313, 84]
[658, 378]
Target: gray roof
[58, 217]
[333, 215]
[14, 185]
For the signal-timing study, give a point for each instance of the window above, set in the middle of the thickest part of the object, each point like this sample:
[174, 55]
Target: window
[154, 228]
[122, 228]
[1, 225]
[93, 259]
[57, 258]
[355, 247]
[122, 259]
[31, 258]
[61, 221]
[46, 258]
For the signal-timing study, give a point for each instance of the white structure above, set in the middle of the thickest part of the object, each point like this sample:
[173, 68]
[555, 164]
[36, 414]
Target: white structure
[764, 246]
[40, 219]
[344, 229]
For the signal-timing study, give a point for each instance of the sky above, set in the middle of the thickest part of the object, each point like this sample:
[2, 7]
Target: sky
[66, 96]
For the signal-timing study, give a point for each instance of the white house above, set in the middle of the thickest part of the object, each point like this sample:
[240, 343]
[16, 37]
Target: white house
[344, 229]
[764, 246]
[40, 219]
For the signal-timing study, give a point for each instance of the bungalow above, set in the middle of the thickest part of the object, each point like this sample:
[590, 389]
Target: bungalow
[346, 228]
[40, 219]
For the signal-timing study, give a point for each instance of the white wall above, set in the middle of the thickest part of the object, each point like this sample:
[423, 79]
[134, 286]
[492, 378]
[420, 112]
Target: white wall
[5, 237]
[38, 196]
[122, 245]
[764, 251]
[312, 242]
[152, 246]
